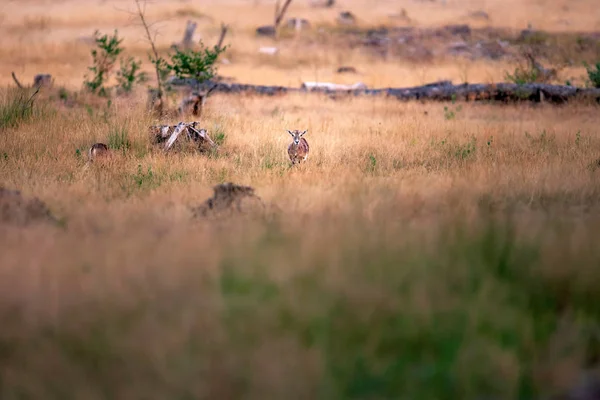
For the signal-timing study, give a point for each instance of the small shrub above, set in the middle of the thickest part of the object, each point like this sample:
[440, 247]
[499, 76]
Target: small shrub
[16, 108]
[372, 163]
[451, 114]
[130, 74]
[118, 138]
[104, 59]
[594, 74]
[466, 151]
[523, 75]
[191, 64]
[63, 94]
[146, 179]
[219, 135]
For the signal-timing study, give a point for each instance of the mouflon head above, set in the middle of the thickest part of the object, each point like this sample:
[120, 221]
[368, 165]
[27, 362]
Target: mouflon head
[296, 134]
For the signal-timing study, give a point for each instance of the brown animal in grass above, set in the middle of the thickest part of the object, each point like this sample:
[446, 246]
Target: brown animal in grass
[298, 149]
[98, 151]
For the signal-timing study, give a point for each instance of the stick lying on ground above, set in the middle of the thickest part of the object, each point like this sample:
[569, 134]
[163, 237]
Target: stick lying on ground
[438, 91]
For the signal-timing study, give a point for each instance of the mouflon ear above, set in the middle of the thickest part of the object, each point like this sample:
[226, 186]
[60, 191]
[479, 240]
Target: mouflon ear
[290, 132]
[304, 133]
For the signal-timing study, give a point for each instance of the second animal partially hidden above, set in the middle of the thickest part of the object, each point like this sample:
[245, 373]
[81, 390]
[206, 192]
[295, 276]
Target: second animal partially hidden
[298, 149]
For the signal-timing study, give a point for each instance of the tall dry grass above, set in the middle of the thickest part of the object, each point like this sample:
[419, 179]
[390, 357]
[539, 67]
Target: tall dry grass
[422, 252]
[425, 250]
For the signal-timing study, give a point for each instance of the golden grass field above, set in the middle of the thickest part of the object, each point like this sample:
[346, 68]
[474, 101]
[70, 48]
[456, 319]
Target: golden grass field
[421, 252]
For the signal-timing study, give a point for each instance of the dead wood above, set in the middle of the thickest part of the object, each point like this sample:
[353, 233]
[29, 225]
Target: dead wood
[194, 103]
[39, 80]
[229, 198]
[42, 80]
[157, 102]
[266, 30]
[190, 28]
[280, 15]
[437, 91]
[272, 30]
[169, 134]
[544, 75]
[346, 18]
[16, 209]
[224, 29]
[346, 70]
[16, 80]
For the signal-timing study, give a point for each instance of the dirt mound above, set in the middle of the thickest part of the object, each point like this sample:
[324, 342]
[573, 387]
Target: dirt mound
[18, 210]
[229, 199]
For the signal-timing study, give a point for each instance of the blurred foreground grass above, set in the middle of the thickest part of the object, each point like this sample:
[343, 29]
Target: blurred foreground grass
[475, 307]
[418, 255]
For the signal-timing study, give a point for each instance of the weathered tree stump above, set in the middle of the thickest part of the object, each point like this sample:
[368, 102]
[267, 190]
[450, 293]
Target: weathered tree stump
[266, 30]
[194, 103]
[169, 134]
[229, 199]
[42, 80]
[188, 35]
[346, 18]
[16, 209]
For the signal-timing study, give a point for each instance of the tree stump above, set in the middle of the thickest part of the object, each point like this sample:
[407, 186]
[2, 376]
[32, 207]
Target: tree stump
[229, 198]
[169, 134]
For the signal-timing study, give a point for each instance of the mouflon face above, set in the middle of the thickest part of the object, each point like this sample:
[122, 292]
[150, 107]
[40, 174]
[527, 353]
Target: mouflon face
[297, 135]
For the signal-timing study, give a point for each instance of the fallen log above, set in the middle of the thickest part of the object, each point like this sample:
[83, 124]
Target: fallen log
[436, 91]
[332, 86]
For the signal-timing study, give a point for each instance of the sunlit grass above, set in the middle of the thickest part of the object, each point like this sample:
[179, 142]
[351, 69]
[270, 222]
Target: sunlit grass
[425, 250]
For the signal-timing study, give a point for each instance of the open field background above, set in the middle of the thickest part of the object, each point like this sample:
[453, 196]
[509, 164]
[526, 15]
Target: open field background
[54, 36]
[425, 251]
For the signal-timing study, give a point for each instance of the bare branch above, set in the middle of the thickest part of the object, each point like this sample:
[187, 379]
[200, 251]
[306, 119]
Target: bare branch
[29, 103]
[16, 80]
[280, 15]
[141, 13]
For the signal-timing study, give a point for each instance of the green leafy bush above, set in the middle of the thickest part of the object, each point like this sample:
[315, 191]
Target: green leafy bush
[191, 64]
[130, 74]
[594, 74]
[104, 58]
[523, 75]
